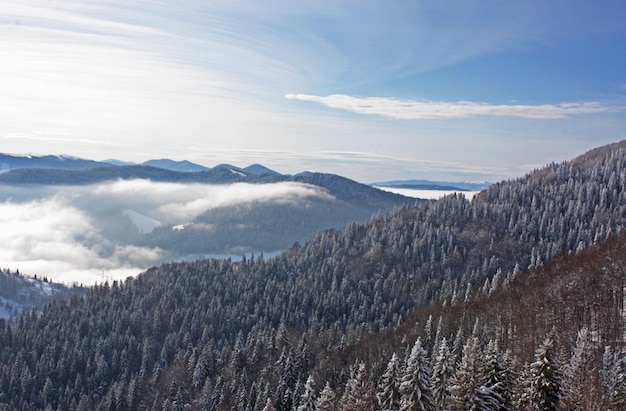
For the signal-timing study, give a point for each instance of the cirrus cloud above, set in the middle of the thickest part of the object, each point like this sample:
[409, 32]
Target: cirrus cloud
[427, 110]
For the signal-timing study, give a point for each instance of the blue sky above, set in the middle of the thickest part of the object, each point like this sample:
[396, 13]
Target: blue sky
[372, 90]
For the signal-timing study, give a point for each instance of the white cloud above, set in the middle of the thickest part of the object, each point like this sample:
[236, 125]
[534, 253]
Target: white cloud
[178, 203]
[69, 233]
[424, 109]
[51, 237]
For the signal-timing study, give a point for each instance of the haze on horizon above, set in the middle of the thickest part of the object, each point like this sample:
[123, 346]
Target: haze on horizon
[374, 91]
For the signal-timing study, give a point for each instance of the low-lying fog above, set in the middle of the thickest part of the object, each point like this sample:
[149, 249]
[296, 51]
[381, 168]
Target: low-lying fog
[427, 194]
[85, 234]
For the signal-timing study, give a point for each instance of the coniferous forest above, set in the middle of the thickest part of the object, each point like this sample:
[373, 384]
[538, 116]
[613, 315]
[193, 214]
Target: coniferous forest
[511, 301]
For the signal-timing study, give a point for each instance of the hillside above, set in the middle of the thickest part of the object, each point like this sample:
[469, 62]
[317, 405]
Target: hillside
[19, 294]
[241, 335]
[262, 226]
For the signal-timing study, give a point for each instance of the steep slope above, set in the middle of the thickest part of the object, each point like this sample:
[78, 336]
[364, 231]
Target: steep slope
[230, 335]
[19, 294]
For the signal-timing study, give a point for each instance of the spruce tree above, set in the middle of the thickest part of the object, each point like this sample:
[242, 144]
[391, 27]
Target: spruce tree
[415, 386]
[469, 387]
[544, 382]
[326, 399]
[613, 379]
[307, 400]
[388, 394]
[498, 376]
[443, 370]
[578, 375]
[359, 393]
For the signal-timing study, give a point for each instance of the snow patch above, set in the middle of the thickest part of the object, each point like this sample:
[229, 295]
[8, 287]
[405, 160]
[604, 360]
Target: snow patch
[239, 173]
[143, 223]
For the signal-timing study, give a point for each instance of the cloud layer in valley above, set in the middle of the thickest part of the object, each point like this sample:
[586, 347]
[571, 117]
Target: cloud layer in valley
[82, 234]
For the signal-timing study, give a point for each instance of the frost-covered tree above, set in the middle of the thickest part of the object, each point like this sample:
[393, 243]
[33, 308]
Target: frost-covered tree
[269, 406]
[307, 400]
[498, 376]
[388, 394]
[544, 379]
[359, 394]
[578, 391]
[415, 386]
[326, 399]
[613, 379]
[443, 370]
[469, 387]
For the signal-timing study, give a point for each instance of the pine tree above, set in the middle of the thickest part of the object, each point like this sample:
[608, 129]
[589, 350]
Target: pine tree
[498, 376]
[359, 393]
[326, 399]
[469, 387]
[443, 370]
[307, 400]
[613, 379]
[388, 394]
[415, 386]
[544, 382]
[578, 375]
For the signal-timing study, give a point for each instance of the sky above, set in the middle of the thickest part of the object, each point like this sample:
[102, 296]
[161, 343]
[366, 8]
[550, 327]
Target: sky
[371, 90]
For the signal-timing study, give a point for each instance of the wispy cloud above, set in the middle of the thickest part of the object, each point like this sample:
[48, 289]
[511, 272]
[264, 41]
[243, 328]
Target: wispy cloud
[424, 109]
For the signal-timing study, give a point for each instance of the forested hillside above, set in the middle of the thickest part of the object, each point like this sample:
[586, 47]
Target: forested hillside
[19, 293]
[263, 226]
[505, 302]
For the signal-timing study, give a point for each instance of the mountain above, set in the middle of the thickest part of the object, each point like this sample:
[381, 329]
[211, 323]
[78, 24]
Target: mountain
[434, 185]
[483, 305]
[184, 166]
[258, 169]
[11, 162]
[264, 226]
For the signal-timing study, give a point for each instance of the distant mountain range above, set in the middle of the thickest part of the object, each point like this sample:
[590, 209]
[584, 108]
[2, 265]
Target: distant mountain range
[10, 162]
[216, 174]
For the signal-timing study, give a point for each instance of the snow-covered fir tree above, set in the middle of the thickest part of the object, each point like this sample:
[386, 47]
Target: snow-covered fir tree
[443, 370]
[326, 399]
[359, 393]
[415, 385]
[388, 394]
[544, 379]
